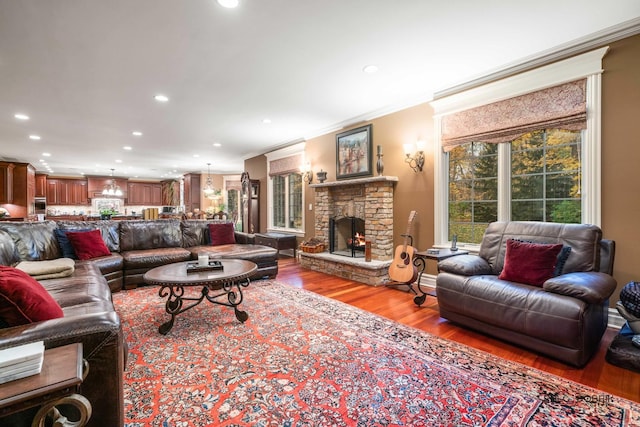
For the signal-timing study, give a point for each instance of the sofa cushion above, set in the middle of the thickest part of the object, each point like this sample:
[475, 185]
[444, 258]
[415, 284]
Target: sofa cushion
[88, 244]
[150, 234]
[65, 245]
[584, 240]
[529, 263]
[108, 228]
[222, 234]
[23, 300]
[34, 241]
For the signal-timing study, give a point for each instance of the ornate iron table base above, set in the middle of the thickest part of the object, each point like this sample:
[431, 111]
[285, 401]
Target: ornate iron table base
[178, 303]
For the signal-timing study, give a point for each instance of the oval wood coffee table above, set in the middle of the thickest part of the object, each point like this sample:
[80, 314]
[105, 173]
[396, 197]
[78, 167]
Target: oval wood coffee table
[227, 282]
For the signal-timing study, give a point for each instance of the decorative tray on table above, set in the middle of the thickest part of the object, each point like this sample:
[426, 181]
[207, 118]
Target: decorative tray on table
[193, 267]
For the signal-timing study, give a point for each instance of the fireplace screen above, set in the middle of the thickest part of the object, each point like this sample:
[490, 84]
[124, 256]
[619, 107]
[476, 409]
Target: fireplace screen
[346, 236]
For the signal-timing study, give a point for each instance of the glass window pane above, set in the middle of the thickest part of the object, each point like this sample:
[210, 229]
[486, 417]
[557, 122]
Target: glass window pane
[527, 187]
[562, 185]
[295, 201]
[279, 201]
[569, 211]
[473, 190]
[529, 210]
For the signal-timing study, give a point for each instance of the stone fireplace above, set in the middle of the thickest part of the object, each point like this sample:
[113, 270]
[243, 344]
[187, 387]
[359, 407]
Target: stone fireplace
[368, 199]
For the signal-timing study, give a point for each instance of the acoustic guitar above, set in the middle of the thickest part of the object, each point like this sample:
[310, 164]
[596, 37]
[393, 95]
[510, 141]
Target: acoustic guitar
[402, 269]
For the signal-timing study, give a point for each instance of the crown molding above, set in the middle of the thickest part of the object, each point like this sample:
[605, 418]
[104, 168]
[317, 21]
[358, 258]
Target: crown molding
[563, 51]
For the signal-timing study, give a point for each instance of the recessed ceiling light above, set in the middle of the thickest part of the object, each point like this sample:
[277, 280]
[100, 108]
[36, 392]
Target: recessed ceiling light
[46, 154]
[35, 137]
[266, 121]
[21, 116]
[228, 3]
[196, 155]
[370, 69]
[126, 147]
[118, 161]
[136, 133]
[217, 144]
[161, 98]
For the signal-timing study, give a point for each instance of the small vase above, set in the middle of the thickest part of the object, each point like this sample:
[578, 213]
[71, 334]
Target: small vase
[322, 175]
[380, 165]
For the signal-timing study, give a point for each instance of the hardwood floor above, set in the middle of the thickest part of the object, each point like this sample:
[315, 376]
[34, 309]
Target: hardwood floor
[397, 304]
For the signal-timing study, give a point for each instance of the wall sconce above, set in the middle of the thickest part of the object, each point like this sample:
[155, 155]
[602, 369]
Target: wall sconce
[307, 173]
[416, 162]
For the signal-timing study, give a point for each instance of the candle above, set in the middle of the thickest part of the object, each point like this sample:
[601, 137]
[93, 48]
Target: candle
[379, 149]
[203, 260]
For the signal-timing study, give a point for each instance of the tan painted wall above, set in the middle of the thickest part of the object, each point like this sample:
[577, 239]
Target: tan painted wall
[621, 157]
[414, 191]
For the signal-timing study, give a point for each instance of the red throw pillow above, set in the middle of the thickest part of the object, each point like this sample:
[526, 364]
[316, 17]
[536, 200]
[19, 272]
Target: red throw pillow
[23, 300]
[222, 234]
[88, 244]
[529, 263]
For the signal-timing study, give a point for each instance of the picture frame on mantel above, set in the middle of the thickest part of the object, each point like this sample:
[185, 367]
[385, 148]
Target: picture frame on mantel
[354, 153]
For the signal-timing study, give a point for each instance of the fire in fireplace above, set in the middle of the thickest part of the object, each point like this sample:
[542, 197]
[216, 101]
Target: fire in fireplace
[346, 236]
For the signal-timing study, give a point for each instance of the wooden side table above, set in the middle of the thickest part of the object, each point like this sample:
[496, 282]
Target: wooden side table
[63, 371]
[277, 241]
[420, 261]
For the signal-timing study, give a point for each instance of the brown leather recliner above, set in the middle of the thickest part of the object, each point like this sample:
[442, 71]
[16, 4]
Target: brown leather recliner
[564, 319]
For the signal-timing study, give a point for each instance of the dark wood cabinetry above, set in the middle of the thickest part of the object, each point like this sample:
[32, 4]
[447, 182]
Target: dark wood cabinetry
[18, 188]
[41, 185]
[95, 186]
[191, 192]
[144, 193]
[6, 182]
[62, 191]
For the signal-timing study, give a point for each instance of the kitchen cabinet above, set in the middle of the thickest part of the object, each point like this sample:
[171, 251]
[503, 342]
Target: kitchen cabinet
[41, 185]
[63, 191]
[95, 186]
[18, 188]
[144, 193]
[6, 182]
[191, 192]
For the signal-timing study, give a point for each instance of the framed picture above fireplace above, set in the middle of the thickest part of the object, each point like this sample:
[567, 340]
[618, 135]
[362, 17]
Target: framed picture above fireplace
[354, 157]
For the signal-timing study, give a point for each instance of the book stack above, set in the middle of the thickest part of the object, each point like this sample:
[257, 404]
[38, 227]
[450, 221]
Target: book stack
[22, 361]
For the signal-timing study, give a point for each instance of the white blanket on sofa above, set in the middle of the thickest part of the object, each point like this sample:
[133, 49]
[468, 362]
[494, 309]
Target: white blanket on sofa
[49, 269]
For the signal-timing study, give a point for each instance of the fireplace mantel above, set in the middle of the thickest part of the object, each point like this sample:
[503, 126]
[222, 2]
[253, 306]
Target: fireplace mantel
[356, 181]
[373, 197]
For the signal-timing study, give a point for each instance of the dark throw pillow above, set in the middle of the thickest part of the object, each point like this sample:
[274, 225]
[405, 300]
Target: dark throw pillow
[222, 234]
[562, 260]
[88, 244]
[529, 263]
[65, 245]
[23, 300]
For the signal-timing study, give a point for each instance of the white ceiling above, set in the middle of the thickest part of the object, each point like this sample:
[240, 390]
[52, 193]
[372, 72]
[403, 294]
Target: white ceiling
[86, 71]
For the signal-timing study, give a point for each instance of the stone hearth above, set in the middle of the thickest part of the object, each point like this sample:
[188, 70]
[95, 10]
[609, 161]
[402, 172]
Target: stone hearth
[372, 198]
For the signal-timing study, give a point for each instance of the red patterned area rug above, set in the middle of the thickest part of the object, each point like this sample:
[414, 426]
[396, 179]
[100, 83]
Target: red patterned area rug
[305, 360]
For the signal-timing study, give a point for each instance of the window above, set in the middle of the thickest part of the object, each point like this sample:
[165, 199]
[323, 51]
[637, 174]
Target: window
[545, 172]
[287, 201]
[285, 189]
[473, 190]
[543, 182]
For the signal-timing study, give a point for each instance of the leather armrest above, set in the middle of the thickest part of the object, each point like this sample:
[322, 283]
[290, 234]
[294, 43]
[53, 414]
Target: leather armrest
[465, 265]
[244, 238]
[591, 286]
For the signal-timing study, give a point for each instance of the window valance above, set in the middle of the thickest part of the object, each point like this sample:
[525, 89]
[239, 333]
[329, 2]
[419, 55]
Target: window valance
[233, 185]
[285, 165]
[562, 106]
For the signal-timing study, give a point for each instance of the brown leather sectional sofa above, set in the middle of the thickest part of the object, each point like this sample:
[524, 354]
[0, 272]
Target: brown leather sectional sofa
[564, 319]
[85, 296]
